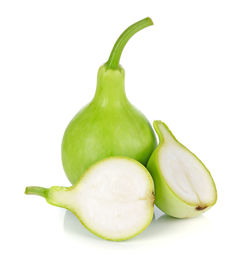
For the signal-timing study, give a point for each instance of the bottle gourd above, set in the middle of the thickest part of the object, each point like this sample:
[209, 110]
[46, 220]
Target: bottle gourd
[109, 125]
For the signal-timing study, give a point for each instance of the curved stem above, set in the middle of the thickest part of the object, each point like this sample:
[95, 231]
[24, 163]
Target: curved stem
[114, 58]
[34, 190]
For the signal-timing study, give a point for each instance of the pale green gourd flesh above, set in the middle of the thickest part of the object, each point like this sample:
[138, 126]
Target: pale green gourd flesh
[113, 199]
[183, 185]
[109, 125]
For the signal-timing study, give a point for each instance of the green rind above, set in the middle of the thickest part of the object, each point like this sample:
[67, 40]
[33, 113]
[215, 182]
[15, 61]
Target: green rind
[165, 198]
[108, 126]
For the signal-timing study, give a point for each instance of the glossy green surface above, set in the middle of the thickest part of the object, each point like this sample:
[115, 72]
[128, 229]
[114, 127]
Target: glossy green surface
[109, 125]
[165, 198]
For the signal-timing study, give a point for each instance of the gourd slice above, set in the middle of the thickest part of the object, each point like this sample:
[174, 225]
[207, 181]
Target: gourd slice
[113, 199]
[183, 185]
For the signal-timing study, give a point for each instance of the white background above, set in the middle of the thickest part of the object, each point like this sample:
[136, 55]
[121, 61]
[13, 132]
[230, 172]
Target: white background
[191, 70]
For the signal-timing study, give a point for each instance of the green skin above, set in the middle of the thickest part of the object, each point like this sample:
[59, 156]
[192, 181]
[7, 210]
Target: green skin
[55, 194]
[109, 125]
[165, 198]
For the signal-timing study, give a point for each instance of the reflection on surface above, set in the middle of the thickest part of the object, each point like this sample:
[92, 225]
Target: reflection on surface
[169, 228]
[162, 226]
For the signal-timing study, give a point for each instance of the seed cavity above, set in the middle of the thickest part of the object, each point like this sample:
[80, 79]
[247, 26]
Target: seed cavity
[199, 208]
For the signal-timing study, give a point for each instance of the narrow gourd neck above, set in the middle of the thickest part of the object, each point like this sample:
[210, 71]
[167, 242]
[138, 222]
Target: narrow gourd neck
[110, 80]
[114, 58]
[164, 133]
[110, 88]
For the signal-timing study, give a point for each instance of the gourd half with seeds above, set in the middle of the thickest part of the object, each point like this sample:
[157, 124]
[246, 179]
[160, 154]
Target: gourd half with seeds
[183, 185]
[114, 198]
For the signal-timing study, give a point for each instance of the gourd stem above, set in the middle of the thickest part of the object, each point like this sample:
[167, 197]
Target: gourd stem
[114, 58]
[34, 190]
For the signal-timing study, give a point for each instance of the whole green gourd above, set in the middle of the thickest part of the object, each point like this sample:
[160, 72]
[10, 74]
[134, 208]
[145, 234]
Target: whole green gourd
[109, 125]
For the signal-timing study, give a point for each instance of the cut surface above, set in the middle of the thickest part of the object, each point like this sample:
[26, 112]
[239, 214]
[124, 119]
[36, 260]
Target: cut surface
[186, 175]
[115, 198]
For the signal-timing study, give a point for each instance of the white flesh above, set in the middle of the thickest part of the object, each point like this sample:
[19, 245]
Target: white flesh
[114, 199]
[185, 174]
